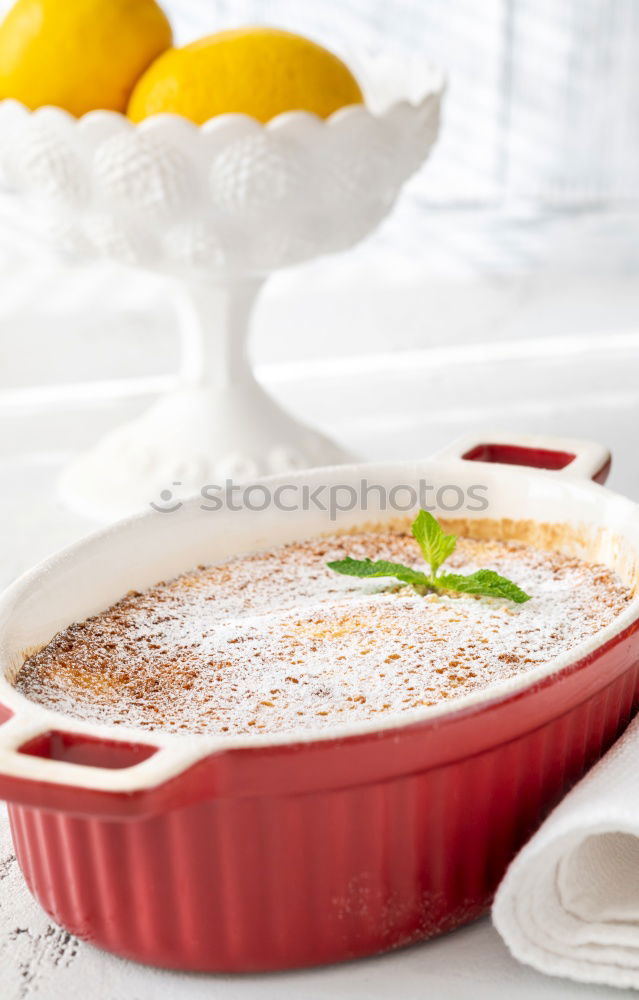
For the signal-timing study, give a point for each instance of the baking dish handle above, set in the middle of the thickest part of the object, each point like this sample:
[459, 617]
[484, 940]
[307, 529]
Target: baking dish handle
[573, 457]
[84, 774]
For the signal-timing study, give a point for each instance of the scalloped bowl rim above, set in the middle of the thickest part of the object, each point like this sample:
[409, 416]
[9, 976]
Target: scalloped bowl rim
[212, 124]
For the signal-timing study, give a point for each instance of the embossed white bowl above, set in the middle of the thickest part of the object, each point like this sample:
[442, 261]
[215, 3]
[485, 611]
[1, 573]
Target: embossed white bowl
[229, 196]
[220, 206]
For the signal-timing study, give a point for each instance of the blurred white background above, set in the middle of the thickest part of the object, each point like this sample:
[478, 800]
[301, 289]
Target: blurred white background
[544, 94]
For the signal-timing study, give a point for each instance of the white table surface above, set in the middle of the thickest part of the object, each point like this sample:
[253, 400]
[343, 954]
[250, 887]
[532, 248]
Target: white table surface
[541, 352]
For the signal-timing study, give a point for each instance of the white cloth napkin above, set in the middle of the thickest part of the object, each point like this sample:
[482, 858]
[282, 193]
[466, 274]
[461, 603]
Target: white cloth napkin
[569, 903]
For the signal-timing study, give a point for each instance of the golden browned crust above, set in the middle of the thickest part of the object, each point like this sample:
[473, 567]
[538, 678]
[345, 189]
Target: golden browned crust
[275, 641]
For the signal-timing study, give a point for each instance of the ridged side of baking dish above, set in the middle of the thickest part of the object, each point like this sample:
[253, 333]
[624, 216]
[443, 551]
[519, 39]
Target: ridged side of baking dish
[275, 882]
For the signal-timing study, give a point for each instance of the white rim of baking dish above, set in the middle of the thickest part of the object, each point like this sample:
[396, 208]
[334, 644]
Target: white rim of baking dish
[174, 752]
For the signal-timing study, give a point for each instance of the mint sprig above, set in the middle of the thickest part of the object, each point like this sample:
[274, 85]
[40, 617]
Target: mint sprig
[436, 547]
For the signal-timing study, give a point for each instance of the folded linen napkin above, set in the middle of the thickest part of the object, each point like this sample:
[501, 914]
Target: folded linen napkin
[569, 903]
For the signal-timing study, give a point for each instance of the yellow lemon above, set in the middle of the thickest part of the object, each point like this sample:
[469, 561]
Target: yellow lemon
[257, 71]
[79, 54]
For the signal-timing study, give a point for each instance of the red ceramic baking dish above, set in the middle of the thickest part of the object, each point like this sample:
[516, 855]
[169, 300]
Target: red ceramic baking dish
[268, 853]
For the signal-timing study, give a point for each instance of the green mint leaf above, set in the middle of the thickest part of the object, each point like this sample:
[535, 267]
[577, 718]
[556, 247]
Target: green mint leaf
[485, 583]
[436, 546]
[368, 568]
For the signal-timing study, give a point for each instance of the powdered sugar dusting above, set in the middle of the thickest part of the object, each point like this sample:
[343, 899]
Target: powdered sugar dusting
[276, 642]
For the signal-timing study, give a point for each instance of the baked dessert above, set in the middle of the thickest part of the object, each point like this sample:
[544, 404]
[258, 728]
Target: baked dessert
[275, 642]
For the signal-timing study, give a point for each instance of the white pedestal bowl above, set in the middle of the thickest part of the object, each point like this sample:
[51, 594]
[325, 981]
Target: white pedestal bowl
[219, 207]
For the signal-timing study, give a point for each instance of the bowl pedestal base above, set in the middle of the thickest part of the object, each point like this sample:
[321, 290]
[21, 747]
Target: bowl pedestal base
[218, 426]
